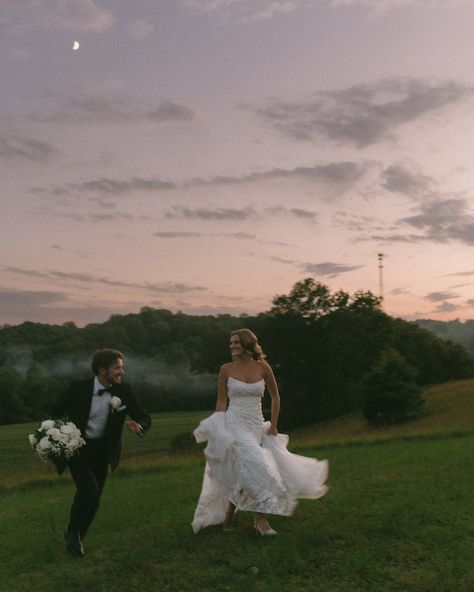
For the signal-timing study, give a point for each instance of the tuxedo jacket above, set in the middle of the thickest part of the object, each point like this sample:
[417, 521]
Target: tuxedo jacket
[75, 405]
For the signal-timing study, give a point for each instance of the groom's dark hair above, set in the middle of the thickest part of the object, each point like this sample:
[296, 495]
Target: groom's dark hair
[103, 358]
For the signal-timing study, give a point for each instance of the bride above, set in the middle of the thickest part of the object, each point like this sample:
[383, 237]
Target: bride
[248, 466]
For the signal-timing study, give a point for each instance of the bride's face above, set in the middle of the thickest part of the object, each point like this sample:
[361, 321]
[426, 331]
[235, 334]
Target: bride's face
[236, 348]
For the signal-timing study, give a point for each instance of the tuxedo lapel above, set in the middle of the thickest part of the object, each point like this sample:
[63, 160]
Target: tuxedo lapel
[82, 407]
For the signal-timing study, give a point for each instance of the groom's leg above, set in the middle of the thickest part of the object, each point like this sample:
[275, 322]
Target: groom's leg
[89, 471]
[99, 464]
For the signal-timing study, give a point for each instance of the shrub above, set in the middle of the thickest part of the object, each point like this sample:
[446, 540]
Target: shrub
[391, 394]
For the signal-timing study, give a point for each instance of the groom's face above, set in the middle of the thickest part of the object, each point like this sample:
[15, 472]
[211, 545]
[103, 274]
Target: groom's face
[114, 373]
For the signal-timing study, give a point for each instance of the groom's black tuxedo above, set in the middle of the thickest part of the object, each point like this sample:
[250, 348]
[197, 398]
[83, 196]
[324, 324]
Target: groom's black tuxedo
[89, 468]
[75, 405]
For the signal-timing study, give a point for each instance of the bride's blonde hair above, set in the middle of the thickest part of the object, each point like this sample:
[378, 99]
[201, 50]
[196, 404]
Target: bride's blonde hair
[249, 342]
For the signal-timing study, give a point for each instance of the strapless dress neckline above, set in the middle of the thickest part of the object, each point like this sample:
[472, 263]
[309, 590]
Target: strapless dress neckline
[243, 381]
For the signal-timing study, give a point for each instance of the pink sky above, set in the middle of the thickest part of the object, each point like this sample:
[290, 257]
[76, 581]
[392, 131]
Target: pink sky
[204, 155]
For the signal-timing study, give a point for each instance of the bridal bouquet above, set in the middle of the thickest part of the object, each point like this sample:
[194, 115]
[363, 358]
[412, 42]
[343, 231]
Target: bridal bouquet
[56, 438]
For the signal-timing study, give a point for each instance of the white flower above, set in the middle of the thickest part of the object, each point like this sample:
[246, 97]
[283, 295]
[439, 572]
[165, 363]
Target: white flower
[62, 438]
[53, 432]
[33, 440]
[44, 444]
[47, 424]
[67, 428]
[115, 403]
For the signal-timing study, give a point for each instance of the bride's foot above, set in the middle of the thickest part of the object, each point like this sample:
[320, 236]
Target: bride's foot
[263, 528]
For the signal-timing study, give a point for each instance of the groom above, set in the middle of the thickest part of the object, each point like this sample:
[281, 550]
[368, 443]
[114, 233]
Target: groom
[98, 407]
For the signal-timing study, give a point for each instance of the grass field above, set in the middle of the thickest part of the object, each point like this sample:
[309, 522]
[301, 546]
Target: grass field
[399, 515]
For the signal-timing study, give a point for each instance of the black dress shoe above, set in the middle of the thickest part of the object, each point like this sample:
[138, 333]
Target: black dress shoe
[73, 543]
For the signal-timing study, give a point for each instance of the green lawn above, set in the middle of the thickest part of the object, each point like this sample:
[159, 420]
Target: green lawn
[399, 516]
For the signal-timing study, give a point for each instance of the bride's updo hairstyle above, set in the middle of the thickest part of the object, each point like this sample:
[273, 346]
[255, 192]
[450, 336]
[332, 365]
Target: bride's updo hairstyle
[249, 342]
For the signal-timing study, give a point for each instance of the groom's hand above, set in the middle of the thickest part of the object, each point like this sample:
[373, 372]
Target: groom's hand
[134, 427]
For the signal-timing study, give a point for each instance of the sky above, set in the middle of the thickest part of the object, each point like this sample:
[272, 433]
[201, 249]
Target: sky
[205, 155]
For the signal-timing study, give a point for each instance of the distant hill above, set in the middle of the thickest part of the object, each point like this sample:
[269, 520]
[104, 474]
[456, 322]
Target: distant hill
[456, 331]
[449, 410]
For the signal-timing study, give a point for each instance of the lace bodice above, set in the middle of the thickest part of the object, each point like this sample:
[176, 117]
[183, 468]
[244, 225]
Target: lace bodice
[238, 388]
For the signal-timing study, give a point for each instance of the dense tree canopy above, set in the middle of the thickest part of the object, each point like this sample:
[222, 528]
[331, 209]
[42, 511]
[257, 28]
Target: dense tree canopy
[322, 346]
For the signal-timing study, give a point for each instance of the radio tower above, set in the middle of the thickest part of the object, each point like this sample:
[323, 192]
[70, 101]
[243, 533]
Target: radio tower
[380, 258]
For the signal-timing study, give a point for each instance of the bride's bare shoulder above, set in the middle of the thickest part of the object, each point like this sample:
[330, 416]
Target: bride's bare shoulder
[267, 369]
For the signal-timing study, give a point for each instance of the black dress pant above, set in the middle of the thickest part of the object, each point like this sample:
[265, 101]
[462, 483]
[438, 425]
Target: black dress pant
[89, 471]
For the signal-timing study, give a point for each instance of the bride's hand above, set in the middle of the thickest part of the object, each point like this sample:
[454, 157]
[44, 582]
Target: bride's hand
[272, 431]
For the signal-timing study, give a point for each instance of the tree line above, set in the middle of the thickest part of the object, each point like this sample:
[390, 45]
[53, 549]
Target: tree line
[331, 353]
[460, 332]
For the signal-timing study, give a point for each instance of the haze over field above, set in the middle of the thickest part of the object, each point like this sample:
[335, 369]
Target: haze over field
[204, 155]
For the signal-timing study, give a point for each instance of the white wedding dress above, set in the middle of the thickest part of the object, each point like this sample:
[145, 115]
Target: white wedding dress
[246, 466]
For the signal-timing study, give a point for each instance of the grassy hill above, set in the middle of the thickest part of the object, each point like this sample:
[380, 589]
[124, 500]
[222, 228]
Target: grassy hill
[449, 410]
[399, 515]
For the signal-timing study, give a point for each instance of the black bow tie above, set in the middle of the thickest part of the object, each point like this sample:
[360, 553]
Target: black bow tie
[102, 391]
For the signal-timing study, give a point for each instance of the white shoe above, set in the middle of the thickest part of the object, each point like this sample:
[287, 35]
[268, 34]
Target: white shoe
[268, 532]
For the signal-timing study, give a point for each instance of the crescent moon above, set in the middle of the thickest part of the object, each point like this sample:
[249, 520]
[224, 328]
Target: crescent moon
[76, 45]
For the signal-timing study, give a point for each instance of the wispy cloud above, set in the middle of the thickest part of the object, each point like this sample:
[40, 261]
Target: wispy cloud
[85, 15]
[271, 9]
[221, 214]
[379, 7]
[462, 273]
[140, 29]
[111, 108]
[169, 234]
[407, 179]
[178, 235]
[91, 217]
[444, 220]
[283, 260]
[236, 214]
[168, 111]
[106, 186]
[362, 114]
[342, 174]
[437, 220]
[86, 278]
[447, 307]
[356, 223]
[440, 296]
[396, 238]
[26, 298]
[335, 177]
[399, 291]
[329, 269]
[300, 213]
[243, 11]
[14, 147]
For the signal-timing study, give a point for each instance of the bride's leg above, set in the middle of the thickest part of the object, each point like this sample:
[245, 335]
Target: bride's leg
[228, 516]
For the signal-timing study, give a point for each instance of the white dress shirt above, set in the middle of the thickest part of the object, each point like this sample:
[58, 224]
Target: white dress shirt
[99, 412]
